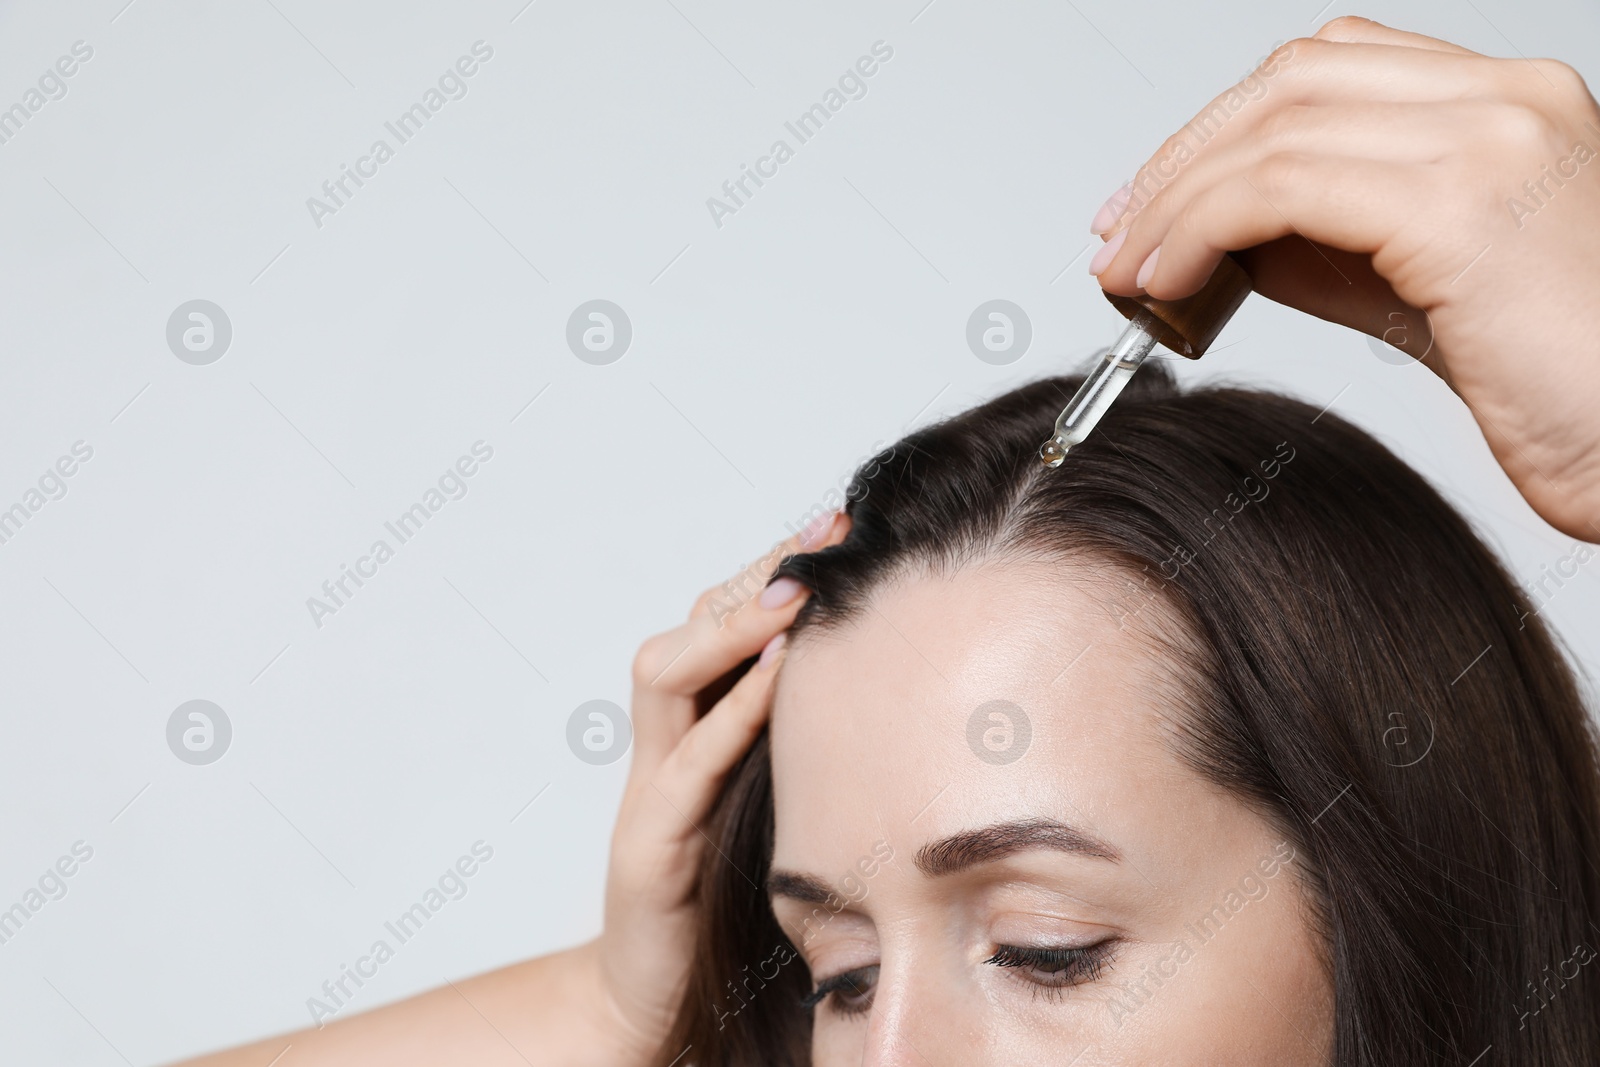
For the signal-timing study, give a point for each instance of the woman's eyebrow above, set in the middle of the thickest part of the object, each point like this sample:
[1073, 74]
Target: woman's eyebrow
[969, 848]
[801, 887]
[972, 847]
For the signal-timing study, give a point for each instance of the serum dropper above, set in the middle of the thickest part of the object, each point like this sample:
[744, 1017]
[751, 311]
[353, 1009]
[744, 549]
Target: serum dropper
[1187, 326]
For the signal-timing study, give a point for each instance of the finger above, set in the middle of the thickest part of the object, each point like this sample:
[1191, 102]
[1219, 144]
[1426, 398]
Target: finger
[1341, 287]
[1353, 29]
[1380, 132]
[673, 667]
[1321, 70]
[1310, 251]
[738, 590]
[691, 776]
[1307, 71]
[1353, 205]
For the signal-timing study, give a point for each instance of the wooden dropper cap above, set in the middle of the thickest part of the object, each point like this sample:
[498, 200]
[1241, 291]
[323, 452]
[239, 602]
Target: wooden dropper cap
[1189, 325]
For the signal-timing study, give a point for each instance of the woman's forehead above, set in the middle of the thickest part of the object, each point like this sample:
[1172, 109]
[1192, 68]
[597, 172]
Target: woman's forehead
[991, 693]
[1036, 635]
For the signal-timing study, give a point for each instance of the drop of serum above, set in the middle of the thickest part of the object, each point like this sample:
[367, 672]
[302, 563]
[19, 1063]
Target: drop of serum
[1052, 454]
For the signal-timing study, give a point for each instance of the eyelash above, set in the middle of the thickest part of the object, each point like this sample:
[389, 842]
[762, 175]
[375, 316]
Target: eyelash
[1061, 968]
[1054, 969]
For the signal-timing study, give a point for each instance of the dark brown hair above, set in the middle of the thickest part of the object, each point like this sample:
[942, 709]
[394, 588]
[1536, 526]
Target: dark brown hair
[1329, 597]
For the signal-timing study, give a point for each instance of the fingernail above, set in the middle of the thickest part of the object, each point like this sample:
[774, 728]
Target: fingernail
[1111, 210]
[780, 592]
[1108, 251]
[817, 529]
[1147, 271]
[770, 651]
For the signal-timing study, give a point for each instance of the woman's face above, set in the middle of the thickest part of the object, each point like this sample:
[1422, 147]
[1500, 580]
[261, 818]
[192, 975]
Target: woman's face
[981, 771]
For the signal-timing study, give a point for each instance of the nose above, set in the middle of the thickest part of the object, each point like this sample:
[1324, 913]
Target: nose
[889, 1046]
[915, 1022]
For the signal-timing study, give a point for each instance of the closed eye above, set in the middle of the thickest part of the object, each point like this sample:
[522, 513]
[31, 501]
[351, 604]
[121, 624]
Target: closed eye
[1055, 968]
[849, 993]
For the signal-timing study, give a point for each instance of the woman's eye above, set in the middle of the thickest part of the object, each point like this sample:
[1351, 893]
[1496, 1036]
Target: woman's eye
[1054, 968]
[849, 993]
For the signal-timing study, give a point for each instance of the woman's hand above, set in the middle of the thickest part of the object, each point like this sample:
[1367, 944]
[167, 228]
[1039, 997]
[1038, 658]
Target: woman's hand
[1442, 200]
[679, 762]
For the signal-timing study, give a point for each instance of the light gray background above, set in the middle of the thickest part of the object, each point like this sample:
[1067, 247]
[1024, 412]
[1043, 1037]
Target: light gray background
[368, 354]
